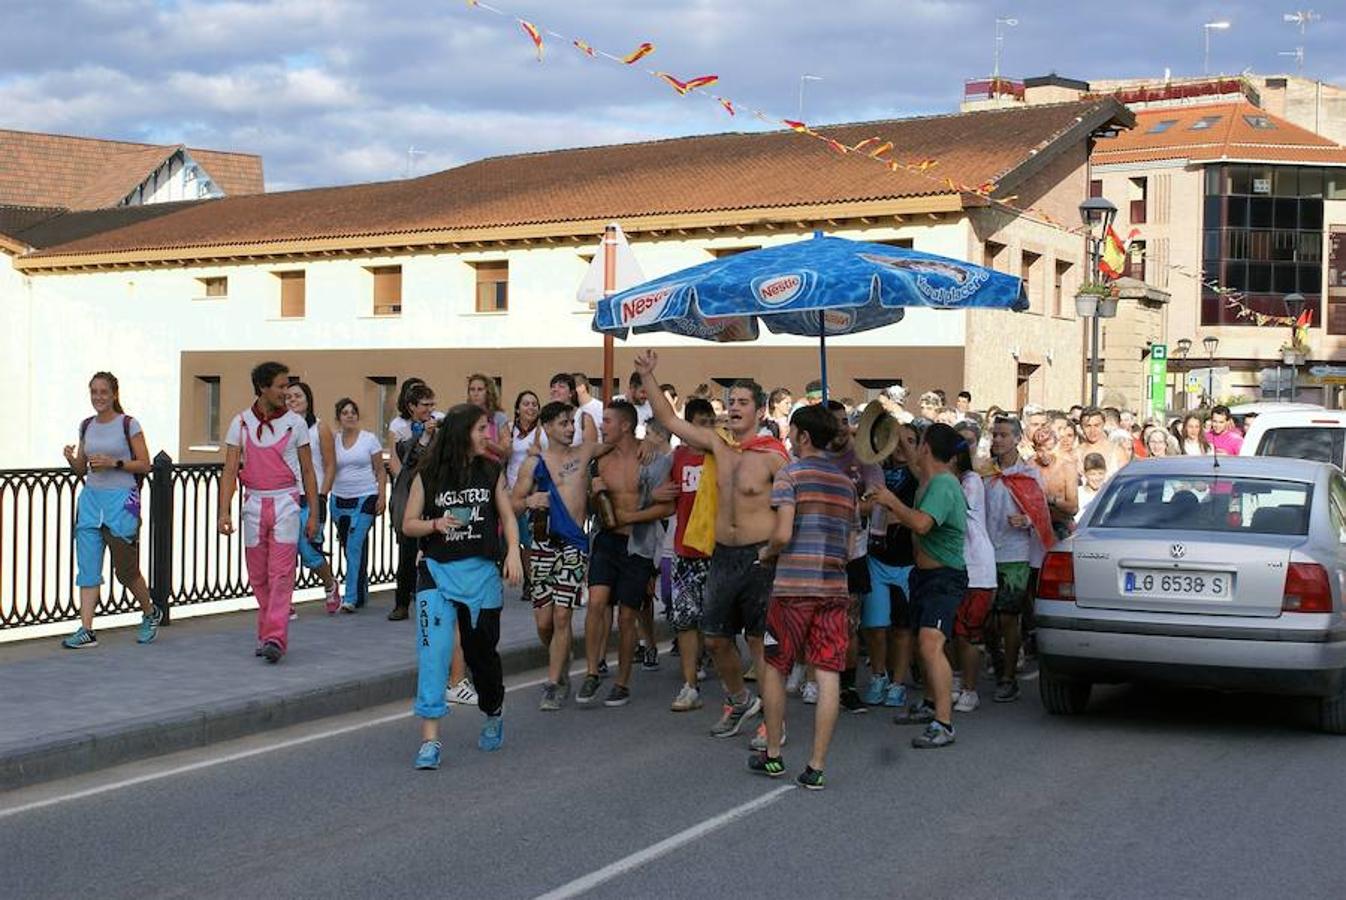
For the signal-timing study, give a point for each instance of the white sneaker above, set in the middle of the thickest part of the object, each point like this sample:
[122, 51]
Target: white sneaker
[966, 702]
[957, 684]
[463, 692]
[688, 699]
[795, 680]
[810, 692]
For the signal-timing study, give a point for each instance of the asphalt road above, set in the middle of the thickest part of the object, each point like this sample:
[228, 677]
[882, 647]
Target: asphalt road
[1152, 794]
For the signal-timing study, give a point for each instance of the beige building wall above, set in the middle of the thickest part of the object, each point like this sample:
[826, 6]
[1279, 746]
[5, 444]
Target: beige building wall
[1315, 105]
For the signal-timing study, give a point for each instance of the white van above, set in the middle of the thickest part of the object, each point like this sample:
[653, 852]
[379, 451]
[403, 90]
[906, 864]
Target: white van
[1307, 434]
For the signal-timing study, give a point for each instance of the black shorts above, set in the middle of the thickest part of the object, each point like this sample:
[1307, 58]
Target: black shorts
[627, 574]
[900, 605]
[936, 595]
[857, 577]
[737, 590]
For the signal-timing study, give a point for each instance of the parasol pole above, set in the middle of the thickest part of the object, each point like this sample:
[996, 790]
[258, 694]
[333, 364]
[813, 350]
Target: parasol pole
[609, 288]
[822, 352]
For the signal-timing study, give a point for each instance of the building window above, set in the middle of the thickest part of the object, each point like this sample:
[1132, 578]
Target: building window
[1204, 123]
[381, 400]
[1162, 126]
[215, 286]
[904, 243]
[1096, 187]
[208, 394]
[993, 256]
[722, 252]
[291, 294]
[1030, 270]
[1060, 288]
[873, 387]
[1261, 123]
[1137, 191]
[1135, 260]
[492, 286]
[1263, 237]
[387, 290]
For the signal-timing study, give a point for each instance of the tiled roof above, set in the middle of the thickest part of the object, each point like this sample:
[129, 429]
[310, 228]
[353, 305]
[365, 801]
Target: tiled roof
[16, 219]
[1228, 131]
[88, 173]
[59, 226]
[710, 173]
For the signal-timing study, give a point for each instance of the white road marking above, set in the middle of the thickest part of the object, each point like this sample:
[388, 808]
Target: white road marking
[220, 760]
[643, 857]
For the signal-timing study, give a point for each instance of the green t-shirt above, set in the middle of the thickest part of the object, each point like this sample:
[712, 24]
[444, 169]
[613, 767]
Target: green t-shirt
[942, 500]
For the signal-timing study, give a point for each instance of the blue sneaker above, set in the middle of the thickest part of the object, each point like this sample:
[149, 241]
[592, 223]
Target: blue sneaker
[149, 627]
[428, 757]
[897, 695]
[492, 734]
[877, 690]
[82, 639]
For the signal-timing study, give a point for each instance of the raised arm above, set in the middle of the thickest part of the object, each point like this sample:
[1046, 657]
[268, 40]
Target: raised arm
[700, 438]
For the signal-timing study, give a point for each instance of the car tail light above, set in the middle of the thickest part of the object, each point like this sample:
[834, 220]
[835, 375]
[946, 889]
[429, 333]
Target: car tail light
[1056, 580]
[1307, 589]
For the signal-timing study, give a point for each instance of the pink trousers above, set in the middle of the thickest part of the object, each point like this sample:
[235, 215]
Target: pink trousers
[271, 549]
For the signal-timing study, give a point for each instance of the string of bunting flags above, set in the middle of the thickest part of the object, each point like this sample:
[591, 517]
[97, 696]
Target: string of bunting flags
[873, 148]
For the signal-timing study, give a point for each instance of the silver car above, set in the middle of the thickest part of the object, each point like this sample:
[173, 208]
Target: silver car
[1223, 572]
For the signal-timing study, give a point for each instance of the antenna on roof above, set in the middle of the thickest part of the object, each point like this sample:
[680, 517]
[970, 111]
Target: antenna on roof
[1302, 18]
[412, 153]
[1298, 54]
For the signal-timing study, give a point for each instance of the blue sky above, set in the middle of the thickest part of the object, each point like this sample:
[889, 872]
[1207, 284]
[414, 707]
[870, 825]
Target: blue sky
[337, 91]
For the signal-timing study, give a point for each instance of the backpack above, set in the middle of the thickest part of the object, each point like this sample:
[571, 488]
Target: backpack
[409, 453]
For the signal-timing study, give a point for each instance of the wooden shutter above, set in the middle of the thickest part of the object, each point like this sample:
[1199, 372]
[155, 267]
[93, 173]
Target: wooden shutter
[387, 290]
[291, 294]
[492, 286]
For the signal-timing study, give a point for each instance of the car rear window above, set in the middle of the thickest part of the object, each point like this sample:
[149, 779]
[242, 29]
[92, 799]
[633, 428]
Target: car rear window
[1317, 444]
[1233, 505]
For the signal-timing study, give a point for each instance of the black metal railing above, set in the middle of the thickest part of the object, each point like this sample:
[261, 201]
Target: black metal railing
[182, 554]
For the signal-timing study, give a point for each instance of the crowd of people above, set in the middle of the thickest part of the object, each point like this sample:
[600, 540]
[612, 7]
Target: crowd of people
[913, 549]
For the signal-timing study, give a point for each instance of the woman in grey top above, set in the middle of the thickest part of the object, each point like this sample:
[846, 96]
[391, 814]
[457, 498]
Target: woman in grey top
[112, 456]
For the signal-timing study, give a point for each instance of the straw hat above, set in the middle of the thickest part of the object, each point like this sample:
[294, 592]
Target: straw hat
[876, 436]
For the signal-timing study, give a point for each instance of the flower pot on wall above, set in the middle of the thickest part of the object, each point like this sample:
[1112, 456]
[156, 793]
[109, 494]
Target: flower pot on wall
[1107, 307]
[1086, 305]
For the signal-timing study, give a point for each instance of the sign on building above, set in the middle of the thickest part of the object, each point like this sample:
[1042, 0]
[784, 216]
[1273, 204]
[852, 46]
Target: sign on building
[1158, 380]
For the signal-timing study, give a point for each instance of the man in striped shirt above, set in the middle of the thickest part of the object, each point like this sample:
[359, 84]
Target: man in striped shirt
[815, 506]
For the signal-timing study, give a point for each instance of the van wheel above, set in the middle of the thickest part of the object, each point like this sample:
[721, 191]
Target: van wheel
[1063, 696]
[1332, 714]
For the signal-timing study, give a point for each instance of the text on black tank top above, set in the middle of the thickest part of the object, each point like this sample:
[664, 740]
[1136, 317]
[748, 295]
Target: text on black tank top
[473, 504]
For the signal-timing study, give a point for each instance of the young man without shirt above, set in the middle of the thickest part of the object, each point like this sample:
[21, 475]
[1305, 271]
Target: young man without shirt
[555, 484]
[816, 508]
[738, 584]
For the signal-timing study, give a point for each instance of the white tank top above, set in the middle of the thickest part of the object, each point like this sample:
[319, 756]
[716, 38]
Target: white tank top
[316, 445]
[519, 452]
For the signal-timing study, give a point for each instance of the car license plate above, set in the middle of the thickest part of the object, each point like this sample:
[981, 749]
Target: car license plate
[1161, 583]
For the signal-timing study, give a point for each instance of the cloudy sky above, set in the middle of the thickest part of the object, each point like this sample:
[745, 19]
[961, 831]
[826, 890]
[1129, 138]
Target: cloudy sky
[337, 91]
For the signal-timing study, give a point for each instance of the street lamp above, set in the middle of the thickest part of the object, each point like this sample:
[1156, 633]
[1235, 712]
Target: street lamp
[999, 45]
[1207, 28]
[1294, 306]
[1097, 214]
[1211, 343]
[1182, 348]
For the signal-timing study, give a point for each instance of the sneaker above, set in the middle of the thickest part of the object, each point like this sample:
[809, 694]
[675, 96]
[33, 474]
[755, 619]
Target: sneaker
[770, 766]
[589, 690]
[1006, 692]
[294, 613]
[758, 741]
[602, 668]
[934, 737]
[967, 702]
[809, 692]
[916, 715]
[149, 626]
[258, 651]
[463, 693]
[897, 695]
[851, 702]
[734, 714]
[82, 639]
[811, 779]
[877, 690]
[702, 667]
[428, 756]
[398, 613]
[651, 661]
[492, 734]
[688, 699]
[620, 695]
[332, 600]
[348, 608]
[551, 700]
[795, 679]
[271, 652]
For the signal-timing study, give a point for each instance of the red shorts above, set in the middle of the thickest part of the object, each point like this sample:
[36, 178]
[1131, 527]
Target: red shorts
[817, 625]
[970, 623]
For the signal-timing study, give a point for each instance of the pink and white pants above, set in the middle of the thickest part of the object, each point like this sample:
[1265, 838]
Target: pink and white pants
[271, 550]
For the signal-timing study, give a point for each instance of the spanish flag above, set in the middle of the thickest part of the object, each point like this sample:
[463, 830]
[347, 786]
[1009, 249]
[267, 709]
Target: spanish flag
[1112, 261]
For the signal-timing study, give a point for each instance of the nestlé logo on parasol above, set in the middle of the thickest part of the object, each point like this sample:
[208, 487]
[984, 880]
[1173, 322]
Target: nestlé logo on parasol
[646, 307]
[940, 282]
[778, 290]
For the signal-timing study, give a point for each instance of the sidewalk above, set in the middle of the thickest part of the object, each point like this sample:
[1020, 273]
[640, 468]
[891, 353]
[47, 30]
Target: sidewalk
[63, 712]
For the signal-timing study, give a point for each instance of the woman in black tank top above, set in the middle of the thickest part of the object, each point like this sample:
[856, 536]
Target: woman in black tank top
[458, 508]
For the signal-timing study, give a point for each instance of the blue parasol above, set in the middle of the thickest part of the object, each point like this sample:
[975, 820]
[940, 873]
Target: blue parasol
[815, 288]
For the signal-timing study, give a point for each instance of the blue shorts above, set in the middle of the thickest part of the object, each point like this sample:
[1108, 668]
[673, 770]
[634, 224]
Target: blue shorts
[101, 517]
[888, 586]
